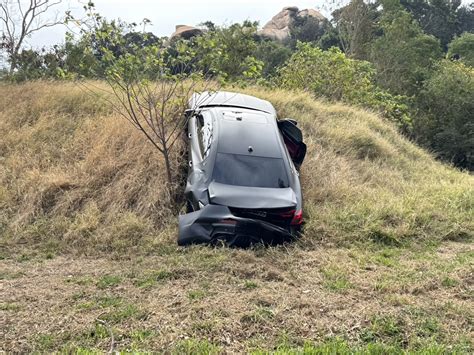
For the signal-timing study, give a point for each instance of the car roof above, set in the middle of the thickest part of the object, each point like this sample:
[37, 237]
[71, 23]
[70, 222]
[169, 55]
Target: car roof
[230, 99]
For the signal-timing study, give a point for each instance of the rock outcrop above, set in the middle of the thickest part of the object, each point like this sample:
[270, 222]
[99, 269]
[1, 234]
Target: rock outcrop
[279, 26]
[185, 32]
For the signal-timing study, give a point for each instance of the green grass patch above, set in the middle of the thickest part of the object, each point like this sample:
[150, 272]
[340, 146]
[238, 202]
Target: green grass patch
[195, 347]
[195, 295]
[335, 279]
[10, 307]
[151, 278]
[108, 281]
[250, 285]
[123, 313]
[260, 315]
[80, 280]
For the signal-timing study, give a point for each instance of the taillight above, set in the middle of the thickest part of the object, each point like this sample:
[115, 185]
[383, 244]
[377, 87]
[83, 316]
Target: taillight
[228, 221]
[287, 214]
[297, 218]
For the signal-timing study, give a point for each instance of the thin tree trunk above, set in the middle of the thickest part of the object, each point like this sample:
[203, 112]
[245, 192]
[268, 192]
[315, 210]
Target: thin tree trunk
[13, 61]
[166, 155]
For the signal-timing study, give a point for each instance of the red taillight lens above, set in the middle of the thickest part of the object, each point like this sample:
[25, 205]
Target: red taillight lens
[287, 214]
[228, 221]
[297, 218]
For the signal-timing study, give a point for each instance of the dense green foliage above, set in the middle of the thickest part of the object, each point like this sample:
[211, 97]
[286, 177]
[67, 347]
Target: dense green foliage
[462, 48]
[447, 100]
[443, 19]
[332, 75]
[404, 54]
[386, 55]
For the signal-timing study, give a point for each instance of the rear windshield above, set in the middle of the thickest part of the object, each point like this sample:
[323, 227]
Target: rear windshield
[247, 170]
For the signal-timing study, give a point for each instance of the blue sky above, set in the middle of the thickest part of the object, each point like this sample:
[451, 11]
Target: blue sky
[165, 15]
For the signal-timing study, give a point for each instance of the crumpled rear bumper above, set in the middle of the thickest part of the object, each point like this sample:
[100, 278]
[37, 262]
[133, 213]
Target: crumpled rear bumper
[214, 224]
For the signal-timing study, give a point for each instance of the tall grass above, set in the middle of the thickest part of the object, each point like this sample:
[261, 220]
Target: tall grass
[76, 177]
[363, 180]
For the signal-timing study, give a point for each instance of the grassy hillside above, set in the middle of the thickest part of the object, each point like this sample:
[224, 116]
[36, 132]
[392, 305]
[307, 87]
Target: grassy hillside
[88, 242]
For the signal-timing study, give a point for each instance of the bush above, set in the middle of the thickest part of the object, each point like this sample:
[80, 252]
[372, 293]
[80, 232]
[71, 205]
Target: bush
[447, 105]
[272, 54]
[462, 48]
[330, 74]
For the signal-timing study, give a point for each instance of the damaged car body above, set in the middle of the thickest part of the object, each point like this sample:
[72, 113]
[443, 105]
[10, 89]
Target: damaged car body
[243, 183]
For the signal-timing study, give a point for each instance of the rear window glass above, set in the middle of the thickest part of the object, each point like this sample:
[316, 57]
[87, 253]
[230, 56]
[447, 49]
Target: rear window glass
[247, 170]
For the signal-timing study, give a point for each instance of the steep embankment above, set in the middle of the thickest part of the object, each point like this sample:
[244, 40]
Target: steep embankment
[76, 177]
[89, 260]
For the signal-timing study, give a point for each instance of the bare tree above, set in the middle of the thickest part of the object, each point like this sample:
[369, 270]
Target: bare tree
[355, 24]
[20, 19]
[160, 109]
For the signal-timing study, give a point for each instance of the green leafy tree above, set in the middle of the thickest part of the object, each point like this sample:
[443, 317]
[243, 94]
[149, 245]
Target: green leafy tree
[229, 51]
[462, 48]
[446, 103]
[443, 19]
[466, 18]
[308, 29]
[403, 55]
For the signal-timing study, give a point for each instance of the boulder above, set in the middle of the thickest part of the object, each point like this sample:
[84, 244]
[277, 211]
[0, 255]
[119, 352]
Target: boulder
[185, 32]
[279, 26]
[312, 13]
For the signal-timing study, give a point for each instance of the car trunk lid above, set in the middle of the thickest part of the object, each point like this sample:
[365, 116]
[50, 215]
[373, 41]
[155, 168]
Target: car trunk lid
[258, 198]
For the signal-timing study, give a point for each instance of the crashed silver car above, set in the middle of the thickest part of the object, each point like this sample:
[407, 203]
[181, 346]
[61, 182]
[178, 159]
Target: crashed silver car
[243, 183]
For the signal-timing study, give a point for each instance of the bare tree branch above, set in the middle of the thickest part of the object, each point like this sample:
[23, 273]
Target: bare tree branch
[20, 21]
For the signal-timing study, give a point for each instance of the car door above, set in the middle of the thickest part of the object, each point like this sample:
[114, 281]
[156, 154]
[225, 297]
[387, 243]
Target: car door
[293, 138]
[200, 139]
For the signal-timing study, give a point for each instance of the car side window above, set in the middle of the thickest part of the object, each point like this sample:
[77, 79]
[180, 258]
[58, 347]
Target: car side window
[204, 132]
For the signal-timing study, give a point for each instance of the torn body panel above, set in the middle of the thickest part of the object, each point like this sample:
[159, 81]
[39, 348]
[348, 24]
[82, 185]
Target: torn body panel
[215, 224]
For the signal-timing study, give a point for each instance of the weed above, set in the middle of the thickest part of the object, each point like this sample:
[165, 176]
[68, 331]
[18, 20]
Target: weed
[151, 278]
[384, 328]
[124, 312]
[108, 281]
[194, 295]
[260, 315]
[195, 347]
[80, 280]
[449, 282]
[10, 307]
[46, 342]
[335, 279]
[250, 285]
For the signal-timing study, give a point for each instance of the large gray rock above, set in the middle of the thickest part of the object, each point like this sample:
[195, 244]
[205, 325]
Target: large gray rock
[185, 32]
[279, 26]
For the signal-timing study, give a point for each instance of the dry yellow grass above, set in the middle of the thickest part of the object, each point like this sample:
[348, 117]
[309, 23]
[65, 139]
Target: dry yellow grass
[385, 263]
[362, 179]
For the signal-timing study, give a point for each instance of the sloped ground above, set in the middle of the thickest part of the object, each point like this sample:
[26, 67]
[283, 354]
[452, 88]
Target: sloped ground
[89, 259]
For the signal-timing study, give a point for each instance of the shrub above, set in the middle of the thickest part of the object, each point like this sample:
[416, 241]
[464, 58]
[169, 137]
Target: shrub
[330, 74]
[462, 48]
